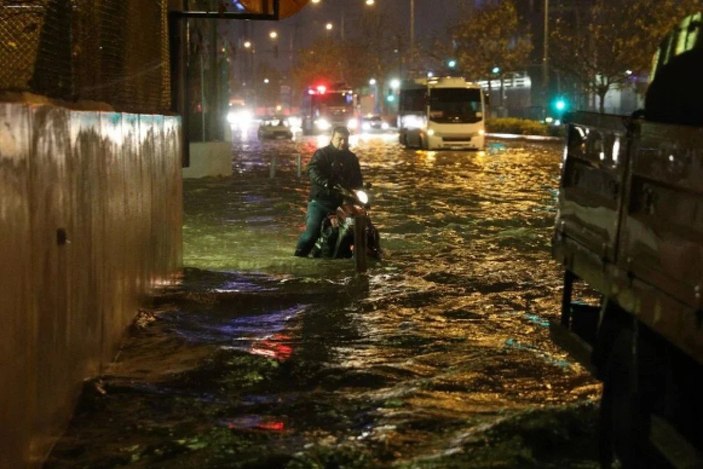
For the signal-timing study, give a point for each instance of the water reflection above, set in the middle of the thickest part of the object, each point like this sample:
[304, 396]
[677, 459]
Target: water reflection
[438, 357]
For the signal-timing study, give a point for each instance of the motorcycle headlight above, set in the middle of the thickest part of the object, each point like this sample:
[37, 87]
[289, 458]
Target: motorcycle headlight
[362, 196]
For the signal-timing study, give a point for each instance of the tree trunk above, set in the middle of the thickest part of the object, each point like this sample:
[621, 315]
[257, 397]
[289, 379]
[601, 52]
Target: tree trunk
[601, 100]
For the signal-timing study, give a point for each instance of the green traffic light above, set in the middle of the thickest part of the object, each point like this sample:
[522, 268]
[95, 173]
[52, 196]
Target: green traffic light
[560, 105]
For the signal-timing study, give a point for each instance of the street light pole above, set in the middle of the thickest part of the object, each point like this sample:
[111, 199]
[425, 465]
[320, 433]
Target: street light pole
[545, 57]
[412, 29]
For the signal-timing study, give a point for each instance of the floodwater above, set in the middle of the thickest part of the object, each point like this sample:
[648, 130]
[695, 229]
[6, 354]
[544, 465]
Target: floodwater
[438, 357]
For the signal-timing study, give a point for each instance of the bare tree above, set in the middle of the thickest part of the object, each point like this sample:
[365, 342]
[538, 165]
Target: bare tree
[323, 60]
[376, 53]
[369, 51]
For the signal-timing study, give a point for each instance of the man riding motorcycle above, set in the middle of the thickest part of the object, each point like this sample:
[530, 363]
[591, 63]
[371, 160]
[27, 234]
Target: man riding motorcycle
[330, 166]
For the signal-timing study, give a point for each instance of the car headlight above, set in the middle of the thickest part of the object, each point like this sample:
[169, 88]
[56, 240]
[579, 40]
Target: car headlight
[240, 119]
[412, 122]
[323, 124]
[352, 123]
[295, 122]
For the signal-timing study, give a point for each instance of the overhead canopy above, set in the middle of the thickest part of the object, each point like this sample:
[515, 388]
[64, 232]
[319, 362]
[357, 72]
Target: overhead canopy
[242, 9]
[286, 7]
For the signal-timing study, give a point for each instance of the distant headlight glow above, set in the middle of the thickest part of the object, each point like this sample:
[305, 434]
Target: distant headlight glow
[295, 122]
[240, 119]
[412, 122]
[323, 124]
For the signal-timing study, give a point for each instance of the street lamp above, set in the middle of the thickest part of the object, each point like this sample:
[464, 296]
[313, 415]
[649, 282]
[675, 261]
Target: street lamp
[376, 101]
[274, 36]
[328, 26]
[248, 62]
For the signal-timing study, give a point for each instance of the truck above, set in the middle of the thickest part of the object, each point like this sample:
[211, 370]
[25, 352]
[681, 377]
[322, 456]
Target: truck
[629, 235]
[328, 105]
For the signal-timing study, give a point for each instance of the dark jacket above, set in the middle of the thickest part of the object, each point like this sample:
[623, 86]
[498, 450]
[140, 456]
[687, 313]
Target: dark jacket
[329, 167]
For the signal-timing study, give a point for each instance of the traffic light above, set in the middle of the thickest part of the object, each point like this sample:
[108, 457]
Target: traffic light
[560, 105]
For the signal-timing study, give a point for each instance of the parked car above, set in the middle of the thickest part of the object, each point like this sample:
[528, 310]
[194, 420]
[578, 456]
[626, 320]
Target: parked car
[274, 128]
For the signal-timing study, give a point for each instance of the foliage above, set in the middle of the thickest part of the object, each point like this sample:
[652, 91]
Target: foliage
[514, 125]
[606, 38]
[491, 36]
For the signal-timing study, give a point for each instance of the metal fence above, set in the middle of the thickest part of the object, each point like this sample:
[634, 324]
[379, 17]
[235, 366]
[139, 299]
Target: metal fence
[110, 51]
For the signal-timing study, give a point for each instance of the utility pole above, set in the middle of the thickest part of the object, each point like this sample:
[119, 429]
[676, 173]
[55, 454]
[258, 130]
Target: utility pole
[412, 30]
[545, 57]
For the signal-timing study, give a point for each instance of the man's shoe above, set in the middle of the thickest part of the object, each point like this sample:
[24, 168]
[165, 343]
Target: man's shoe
[299, 253]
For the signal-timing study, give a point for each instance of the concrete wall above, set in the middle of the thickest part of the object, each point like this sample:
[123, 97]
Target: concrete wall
[209, 159]
[90, 225]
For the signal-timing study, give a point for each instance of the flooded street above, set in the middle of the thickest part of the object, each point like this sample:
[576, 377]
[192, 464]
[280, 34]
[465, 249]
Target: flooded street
[439, 357]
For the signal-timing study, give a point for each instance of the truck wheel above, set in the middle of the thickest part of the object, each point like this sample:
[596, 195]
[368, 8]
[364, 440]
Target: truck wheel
[624, 421]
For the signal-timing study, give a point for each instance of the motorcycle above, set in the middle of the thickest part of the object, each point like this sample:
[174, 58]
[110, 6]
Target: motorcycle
[348, 231]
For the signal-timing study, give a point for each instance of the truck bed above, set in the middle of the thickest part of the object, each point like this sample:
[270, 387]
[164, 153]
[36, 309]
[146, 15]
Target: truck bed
[630, 220]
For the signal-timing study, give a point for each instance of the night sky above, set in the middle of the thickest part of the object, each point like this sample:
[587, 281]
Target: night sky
[432, 18]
